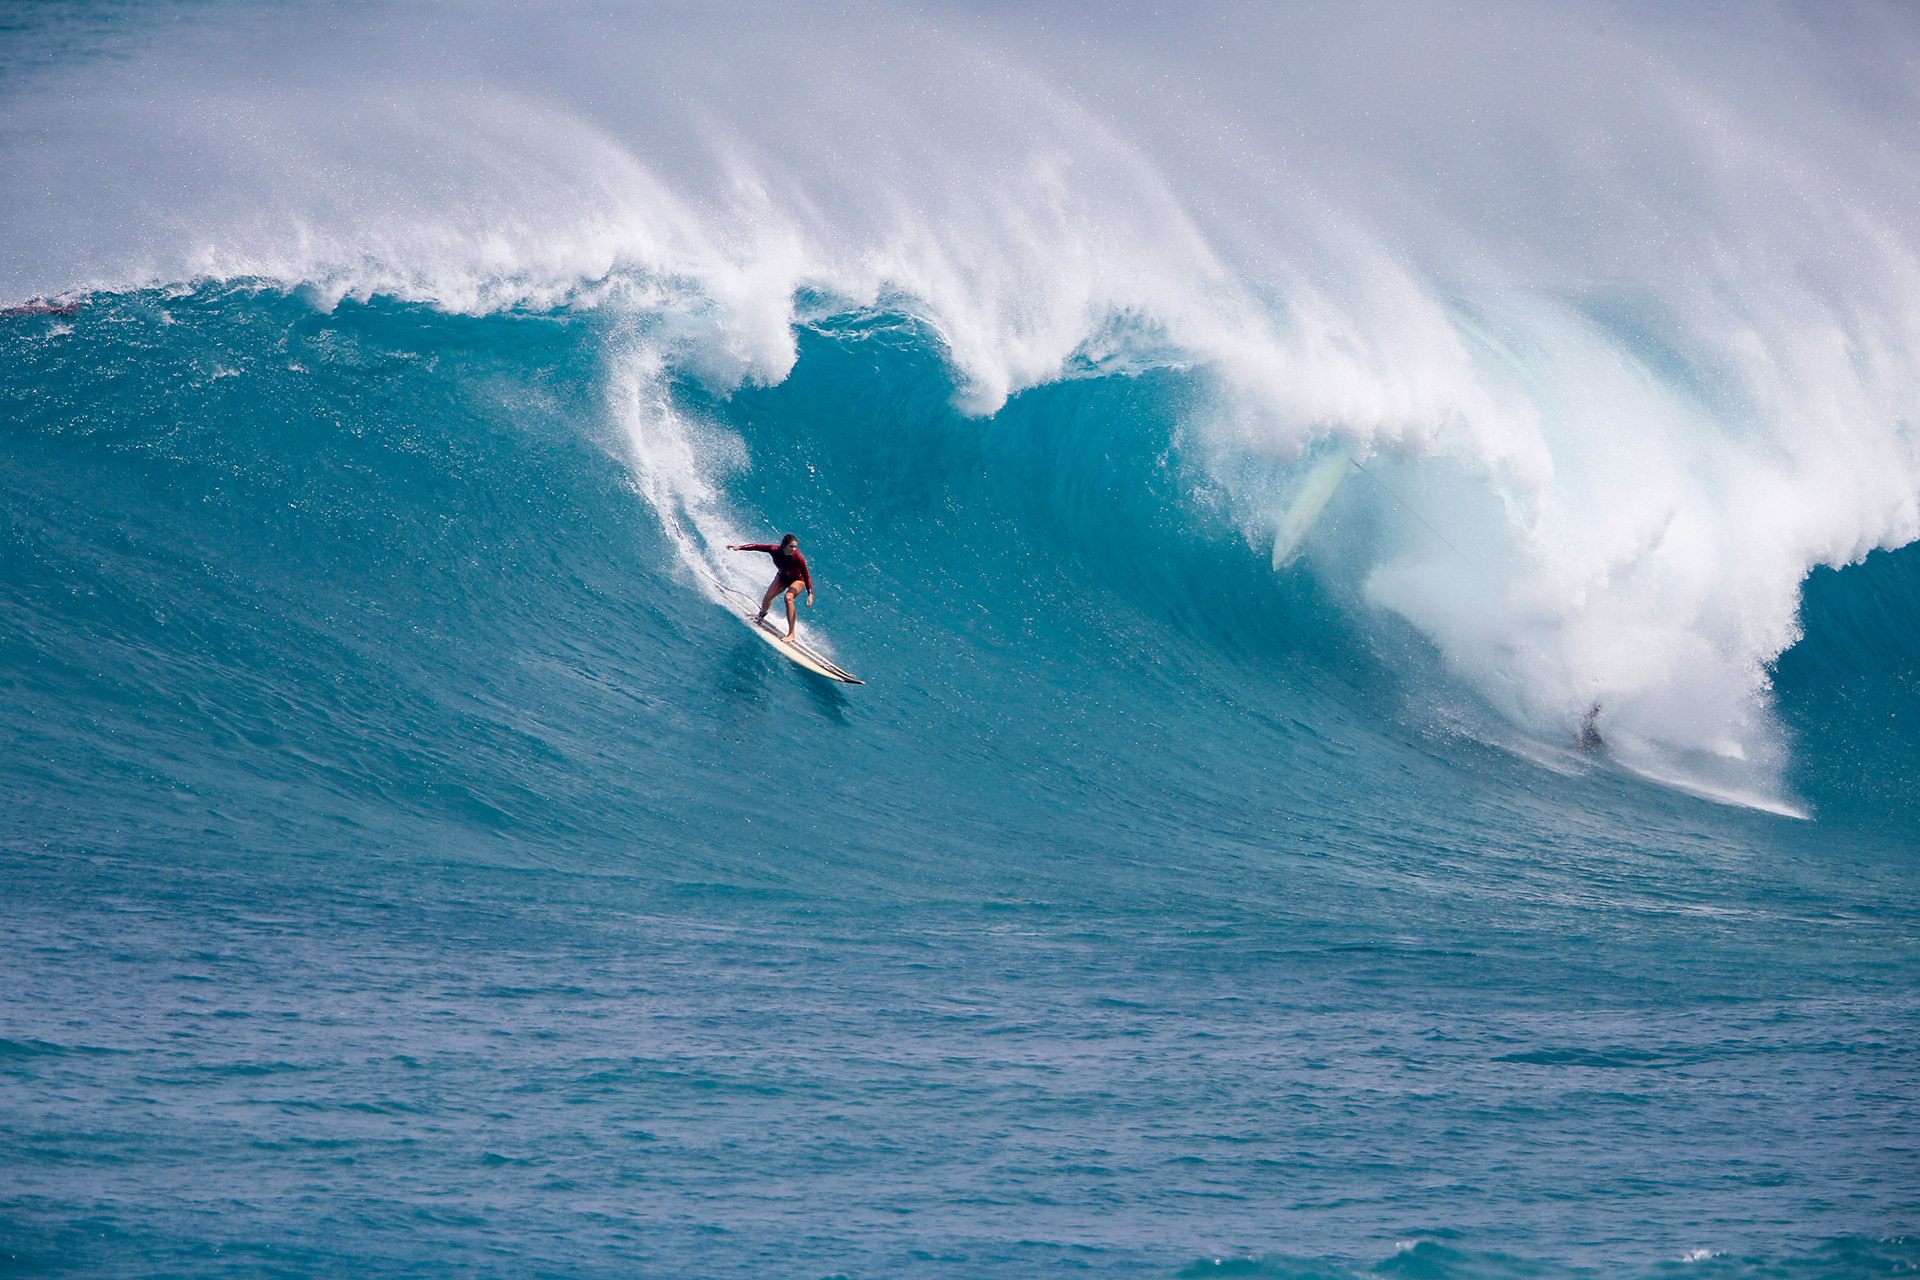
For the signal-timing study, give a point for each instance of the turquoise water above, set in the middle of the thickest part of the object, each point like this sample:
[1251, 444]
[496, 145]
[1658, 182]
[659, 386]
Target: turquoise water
[411, 868]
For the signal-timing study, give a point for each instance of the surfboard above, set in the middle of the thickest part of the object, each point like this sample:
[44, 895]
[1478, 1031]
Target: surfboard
[1292, 527]
[796, 650]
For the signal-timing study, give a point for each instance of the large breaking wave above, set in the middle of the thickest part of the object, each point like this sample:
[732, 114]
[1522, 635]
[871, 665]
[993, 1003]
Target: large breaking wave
[401, 840]
[1618, 308]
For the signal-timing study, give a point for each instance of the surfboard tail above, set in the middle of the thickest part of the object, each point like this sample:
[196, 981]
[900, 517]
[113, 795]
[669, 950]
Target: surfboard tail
[1291, 530]
[796, 651]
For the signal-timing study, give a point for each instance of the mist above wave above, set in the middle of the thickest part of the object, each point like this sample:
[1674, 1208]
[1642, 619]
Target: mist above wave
[1627, 297]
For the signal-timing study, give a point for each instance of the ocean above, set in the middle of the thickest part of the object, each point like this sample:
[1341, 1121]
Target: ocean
[412, 868]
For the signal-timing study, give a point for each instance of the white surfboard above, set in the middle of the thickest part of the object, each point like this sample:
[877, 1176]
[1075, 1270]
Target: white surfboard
[796, 650]
[1292, 527]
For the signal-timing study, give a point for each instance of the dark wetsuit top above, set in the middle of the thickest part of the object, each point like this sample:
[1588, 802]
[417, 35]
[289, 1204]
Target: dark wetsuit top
[790, 565]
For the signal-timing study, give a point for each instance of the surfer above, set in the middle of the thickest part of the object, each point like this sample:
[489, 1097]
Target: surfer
[1590, 739]
[790, 574]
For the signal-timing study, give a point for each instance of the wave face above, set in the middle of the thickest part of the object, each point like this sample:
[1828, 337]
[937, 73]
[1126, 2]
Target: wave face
[407, 843]
[1641, 333]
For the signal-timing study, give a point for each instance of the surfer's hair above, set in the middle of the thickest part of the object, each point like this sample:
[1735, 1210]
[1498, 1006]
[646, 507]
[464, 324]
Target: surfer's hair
[787, 539]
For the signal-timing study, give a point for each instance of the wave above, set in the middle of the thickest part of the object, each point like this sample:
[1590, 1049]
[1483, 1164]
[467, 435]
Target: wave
[435, 579]
[1629, 342]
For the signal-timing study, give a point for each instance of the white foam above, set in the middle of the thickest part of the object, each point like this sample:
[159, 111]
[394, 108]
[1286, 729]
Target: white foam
[678, 466]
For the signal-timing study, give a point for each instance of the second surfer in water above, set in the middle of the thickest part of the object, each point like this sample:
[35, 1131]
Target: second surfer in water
[790, 574]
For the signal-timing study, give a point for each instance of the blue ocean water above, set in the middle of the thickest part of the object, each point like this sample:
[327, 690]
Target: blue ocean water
[411, 869]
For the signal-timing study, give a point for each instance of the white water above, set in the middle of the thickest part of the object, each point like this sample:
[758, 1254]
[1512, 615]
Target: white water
[1625, 299]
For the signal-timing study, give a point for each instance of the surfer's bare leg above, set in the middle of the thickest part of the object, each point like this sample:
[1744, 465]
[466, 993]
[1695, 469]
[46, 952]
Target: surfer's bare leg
[792, 621]
[773, 589]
